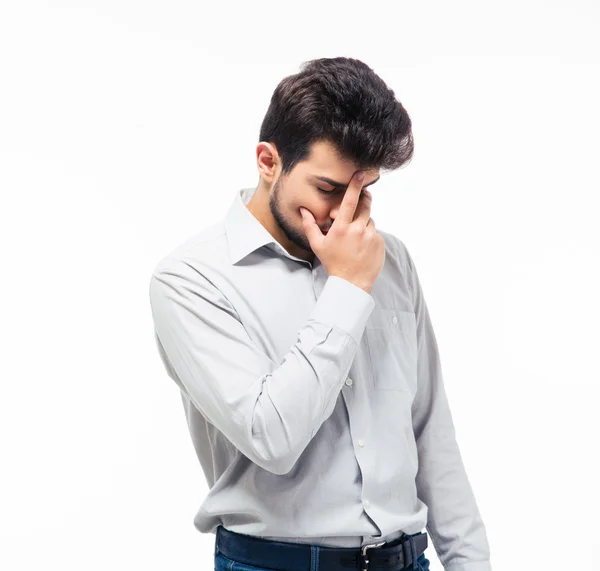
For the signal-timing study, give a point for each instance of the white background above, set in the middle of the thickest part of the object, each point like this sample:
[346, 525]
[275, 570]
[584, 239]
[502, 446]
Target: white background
[125, 127]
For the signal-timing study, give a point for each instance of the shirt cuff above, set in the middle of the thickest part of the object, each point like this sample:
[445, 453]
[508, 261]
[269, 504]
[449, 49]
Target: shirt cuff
[344, 305]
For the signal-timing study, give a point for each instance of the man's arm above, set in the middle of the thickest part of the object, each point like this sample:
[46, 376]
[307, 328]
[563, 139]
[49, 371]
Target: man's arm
[269, 412]
[454, 522]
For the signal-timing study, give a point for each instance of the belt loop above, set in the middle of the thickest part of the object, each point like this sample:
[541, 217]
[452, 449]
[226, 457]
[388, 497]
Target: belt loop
[314, 558]
[413, 552]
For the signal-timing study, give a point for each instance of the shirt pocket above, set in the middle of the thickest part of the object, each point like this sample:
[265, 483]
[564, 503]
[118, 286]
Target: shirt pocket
[391, 337]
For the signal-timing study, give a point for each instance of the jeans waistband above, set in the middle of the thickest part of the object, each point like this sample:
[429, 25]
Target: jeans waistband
[400, 553]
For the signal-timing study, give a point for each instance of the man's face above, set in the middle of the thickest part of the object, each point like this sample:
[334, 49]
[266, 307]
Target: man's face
[301, 188]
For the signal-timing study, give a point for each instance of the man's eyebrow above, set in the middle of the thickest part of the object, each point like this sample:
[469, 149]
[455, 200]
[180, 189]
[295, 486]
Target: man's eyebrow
[341, 184]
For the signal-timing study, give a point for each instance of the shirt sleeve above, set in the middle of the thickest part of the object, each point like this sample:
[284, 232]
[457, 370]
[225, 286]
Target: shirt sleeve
[453, 521]
[269, 411]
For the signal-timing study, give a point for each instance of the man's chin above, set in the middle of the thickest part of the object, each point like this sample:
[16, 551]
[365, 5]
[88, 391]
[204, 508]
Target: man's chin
[305, 246]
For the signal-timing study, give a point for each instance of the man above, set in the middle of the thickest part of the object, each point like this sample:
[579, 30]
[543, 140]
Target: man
[301, 343]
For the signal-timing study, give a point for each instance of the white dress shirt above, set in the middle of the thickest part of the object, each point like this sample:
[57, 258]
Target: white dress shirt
[317, 410]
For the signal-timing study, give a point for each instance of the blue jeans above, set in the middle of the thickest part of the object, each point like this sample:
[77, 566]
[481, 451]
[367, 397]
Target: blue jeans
[223, 563]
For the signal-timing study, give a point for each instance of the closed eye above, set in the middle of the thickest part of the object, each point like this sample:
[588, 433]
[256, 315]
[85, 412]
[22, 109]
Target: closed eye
[332, 192]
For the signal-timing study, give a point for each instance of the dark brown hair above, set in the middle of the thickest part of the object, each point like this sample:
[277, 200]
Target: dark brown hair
[342, 101]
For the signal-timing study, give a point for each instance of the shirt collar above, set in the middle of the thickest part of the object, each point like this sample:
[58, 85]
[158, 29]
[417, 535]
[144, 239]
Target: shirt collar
[245, 233]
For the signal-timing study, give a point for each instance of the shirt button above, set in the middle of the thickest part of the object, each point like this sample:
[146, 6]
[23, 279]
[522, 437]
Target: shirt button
[361, 442]
[349, 381]
[395, 319]
[367, 503]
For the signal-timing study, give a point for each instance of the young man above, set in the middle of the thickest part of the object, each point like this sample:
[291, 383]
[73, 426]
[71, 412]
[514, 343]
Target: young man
[301, 343]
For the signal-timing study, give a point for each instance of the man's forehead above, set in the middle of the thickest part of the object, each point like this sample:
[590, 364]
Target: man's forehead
[326, 164]
[343, 184]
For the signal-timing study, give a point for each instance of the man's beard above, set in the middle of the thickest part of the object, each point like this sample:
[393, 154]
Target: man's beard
[293, 235]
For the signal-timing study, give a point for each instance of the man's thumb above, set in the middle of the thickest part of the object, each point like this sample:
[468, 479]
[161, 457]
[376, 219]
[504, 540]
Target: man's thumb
[308, 220]
[307, 216]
